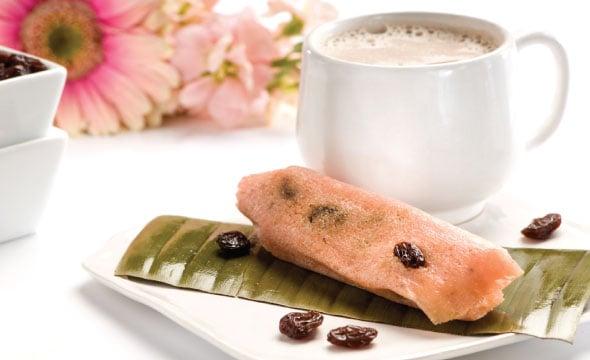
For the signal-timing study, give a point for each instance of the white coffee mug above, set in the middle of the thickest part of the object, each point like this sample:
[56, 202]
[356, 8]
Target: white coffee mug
[437, 136]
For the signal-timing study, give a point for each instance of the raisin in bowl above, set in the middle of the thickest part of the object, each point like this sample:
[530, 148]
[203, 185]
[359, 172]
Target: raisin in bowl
[14, 65]
[30, 90]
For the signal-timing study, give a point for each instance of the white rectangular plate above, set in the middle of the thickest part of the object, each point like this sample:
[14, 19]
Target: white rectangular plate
[249, 330]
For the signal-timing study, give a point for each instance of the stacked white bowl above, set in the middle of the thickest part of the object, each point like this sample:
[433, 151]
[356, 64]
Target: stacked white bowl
[30, 148]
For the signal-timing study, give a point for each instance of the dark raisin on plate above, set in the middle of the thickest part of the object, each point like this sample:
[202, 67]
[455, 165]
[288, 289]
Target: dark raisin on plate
[352, 336]
[233, 244]
[542, 228]
[299, 325]
[409, 254]
[13, 65]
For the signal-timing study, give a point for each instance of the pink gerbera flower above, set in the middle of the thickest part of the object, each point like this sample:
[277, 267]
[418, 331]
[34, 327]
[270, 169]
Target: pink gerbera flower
[117, 71]
[225, 63]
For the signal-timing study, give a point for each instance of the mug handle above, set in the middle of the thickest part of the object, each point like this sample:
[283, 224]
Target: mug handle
[558, 106]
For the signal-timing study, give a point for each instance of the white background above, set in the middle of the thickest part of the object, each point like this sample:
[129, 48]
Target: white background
[50, 308]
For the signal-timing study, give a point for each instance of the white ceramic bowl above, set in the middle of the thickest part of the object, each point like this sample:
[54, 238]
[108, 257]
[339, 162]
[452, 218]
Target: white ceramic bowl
[27, 171]
[28, 103]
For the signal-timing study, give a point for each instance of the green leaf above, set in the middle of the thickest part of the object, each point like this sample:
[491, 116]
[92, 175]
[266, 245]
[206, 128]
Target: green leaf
[285, 63]
[298, 47]
[284, 79]
[547, 301]
[293, 27]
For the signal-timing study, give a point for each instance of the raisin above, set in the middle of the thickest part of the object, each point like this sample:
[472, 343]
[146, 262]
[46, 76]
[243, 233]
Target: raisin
[13, 65]
[409, 254]
[542, 228]
[16, 59]
[16, 70]
[299, 325]
[233, 243]
[34, 65]
[352, 336]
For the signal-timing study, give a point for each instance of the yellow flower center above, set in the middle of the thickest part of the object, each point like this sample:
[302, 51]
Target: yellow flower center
[227, 69]
[64, 31]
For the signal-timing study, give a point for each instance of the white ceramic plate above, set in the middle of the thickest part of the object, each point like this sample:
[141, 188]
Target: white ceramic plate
[249, 330]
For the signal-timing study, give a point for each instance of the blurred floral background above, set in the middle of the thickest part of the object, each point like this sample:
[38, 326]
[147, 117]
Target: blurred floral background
[133, 63]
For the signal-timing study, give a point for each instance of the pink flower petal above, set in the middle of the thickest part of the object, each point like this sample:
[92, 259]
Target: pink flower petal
[278, 6]
[149, 81]
[229, 106]
[167, 72]
[192, 45]
[316, 12]
[258, 39]
[219, 25]
[262, 74]
[137, 57]
[131, 104]
[195, 95]
[9, 34]
[258, 109]
[16, 10]
[217, 52]
[209, 4]
[96, 112]
[238, 56]
[69, 116]
[134, 47]
[123, 14]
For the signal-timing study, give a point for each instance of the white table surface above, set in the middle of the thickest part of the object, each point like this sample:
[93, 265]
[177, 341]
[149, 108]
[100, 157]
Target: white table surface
[50, 308]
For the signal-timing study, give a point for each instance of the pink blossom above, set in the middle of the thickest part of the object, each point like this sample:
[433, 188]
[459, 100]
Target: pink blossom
[225, 66]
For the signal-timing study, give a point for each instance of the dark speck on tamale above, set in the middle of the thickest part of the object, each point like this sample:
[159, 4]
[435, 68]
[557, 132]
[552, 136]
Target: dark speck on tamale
[326, 215]
[287, 189]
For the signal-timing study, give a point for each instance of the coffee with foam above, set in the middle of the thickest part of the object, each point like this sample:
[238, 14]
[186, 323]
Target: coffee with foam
[407, 44]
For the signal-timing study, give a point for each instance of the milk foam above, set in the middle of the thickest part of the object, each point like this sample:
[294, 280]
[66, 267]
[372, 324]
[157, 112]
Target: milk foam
[402, 44]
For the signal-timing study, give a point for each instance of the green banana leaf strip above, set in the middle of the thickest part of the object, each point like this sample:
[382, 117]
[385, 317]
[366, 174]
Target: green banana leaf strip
[546, 302]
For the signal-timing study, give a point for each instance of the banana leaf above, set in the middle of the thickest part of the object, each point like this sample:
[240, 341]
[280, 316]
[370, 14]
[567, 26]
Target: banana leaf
[546, 302]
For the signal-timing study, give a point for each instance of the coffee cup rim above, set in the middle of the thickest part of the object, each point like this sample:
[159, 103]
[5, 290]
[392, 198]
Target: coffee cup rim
[310, 42]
